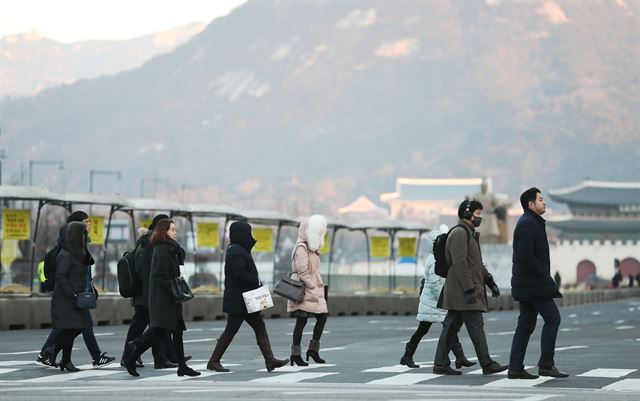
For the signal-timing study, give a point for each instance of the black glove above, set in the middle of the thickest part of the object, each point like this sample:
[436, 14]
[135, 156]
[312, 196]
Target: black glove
[495, 291]
[470, 296]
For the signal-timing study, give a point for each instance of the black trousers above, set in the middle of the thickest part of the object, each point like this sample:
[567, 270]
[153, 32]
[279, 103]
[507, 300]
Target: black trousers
[321, 320]
[422, 330]
[235, 321]
[163, 349]
[450, 328]
[529, 311]
[153, 335]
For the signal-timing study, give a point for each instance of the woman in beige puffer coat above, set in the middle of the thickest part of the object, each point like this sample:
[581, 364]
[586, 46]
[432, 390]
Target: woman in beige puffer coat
[305, 263]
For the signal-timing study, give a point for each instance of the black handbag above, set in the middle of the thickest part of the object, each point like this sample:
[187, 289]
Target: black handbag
[289, 288]
[87, 299]
[181, 290]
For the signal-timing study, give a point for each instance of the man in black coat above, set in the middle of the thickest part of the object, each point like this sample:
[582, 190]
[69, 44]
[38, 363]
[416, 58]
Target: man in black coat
[533, 286]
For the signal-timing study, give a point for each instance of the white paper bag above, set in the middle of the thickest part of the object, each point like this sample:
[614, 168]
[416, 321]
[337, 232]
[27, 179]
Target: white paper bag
[258, 299]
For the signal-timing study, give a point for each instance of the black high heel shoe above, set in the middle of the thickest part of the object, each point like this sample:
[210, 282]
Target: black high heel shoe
[314, 347]
[297, 360]
[69, 367]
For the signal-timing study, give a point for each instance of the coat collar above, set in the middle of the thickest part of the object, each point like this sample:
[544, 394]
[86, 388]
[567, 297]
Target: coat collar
[535, 215]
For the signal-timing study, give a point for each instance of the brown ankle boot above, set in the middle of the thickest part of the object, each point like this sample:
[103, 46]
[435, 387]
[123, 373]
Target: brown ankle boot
[218, 351]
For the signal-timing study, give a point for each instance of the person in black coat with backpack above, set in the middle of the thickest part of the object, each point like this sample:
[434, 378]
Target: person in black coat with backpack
[165, 312]
[162, 350]
[534, 288]
[241, 275]
[72, 276]
[49, 350]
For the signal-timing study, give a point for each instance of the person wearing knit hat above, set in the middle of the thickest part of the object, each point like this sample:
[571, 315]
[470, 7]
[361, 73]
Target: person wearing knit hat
[428, 311]
[156, 220]
[78, 215]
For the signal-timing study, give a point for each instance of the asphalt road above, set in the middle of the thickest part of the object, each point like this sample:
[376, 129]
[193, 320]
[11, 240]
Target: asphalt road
[599, 345]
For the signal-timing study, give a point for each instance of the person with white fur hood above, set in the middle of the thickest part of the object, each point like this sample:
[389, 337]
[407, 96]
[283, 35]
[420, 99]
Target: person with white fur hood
[428, 312]
[305, 263]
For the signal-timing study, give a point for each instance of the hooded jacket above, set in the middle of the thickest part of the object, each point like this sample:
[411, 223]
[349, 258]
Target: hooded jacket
[305, 263]
[427, 309]
[72, 269]
[241, 273]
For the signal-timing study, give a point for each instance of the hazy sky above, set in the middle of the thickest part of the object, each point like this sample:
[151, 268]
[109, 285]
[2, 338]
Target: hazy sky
[74, 20]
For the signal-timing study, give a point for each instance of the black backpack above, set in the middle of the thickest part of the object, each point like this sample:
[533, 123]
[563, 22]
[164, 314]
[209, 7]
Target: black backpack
[440, 253]
[129, 283]
[50, 267]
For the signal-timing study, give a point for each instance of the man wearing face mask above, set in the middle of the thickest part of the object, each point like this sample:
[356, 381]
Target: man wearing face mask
[464, 294]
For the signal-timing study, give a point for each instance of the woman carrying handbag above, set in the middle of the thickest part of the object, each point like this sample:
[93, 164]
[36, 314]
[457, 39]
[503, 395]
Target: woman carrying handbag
[165, 311]
[73, 266]
[241, 275]
[305, 263]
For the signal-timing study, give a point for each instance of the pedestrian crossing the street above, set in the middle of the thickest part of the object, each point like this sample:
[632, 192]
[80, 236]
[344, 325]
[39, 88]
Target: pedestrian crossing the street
[613, 379]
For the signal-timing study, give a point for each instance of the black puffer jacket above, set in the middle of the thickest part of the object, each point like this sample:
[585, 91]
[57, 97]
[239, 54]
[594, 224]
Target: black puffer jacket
[72, 267]
[241, 274]
[531, 273]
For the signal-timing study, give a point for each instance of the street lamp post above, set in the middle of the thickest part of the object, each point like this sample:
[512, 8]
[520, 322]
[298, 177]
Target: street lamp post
[93, 173]
[33, 163]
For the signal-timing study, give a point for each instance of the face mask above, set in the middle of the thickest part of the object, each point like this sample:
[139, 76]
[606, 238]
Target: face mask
[477, 221]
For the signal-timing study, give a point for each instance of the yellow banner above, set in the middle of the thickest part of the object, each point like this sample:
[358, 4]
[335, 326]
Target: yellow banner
[16, 224]
[264, 236]
[380, 247]
[96, 230]
[145, 223]
[207, 235]
[406, 247]
[326, 246]
[10, 252]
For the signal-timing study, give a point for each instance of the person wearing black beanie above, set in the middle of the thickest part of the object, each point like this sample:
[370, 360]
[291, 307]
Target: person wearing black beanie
[79, 216]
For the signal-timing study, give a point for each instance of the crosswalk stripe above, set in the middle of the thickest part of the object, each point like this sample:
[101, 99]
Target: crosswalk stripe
[624, 385]
[479, 371]
[175, 378]
[293, 377]
[396, 368]
[610, 373]
[405, 379]
[63, 377]
[299, 368]
[6, 370]
[17, 363]
[517, 382]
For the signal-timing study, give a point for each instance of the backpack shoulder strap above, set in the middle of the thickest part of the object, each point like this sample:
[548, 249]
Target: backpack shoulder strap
[463, 228]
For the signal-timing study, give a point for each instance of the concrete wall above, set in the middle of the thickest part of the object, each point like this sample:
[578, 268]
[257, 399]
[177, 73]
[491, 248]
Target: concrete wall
[565, 256]
[24, 312]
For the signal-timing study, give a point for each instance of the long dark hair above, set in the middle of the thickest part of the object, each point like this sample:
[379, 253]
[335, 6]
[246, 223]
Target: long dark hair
[160, 235]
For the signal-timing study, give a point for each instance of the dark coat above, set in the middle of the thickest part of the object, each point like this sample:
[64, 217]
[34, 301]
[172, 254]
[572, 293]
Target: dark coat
[143, 255]
[72, 267]
[467, 272]
[241, 274]
[531, 272]
[164, 311]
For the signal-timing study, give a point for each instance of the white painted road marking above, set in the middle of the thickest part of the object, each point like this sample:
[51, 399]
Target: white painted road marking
[611, 373]
[289, 368]
[395, 368]
[6, 370]
[405, 379]
[200, 340]
[517, 382]
[624, 385]
[292, 377]
[175, 378]
[63, 377]
[503, 373]
[571, 347]
[625, 327]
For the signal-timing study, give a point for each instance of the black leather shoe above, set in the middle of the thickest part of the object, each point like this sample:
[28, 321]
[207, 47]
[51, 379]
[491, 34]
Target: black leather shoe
[69, 367]
[165, 365]
[187, 371]
[553, 372]
[494, 367]
[445, 370]
[523, 374]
